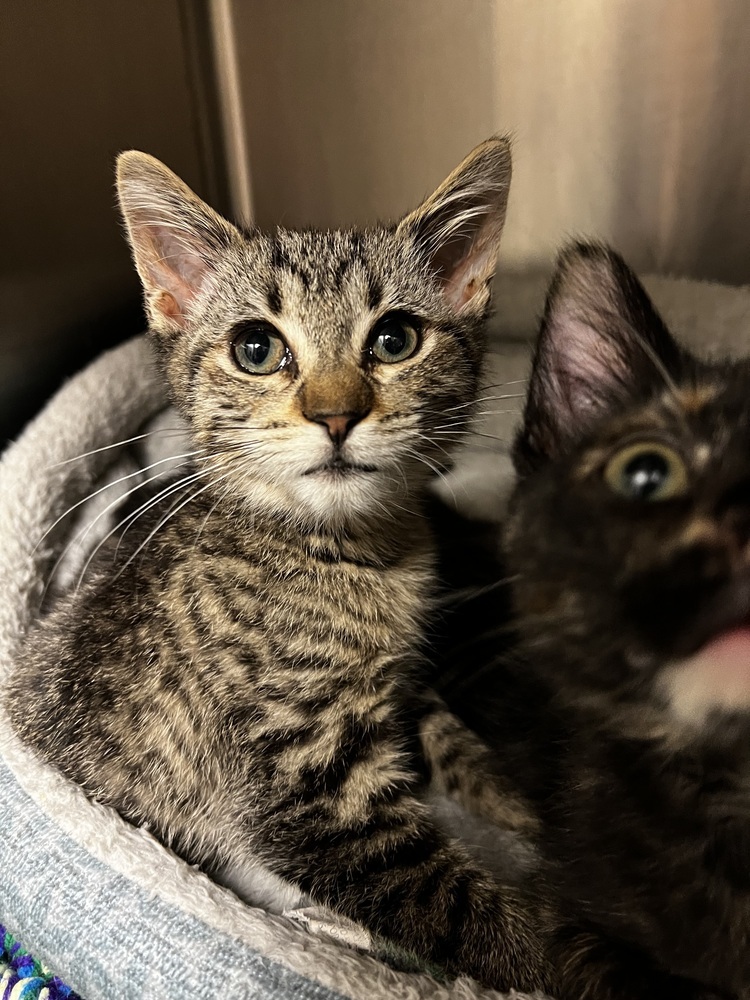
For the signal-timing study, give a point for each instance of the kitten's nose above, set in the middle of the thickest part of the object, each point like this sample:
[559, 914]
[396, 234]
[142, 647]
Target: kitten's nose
[338, 425]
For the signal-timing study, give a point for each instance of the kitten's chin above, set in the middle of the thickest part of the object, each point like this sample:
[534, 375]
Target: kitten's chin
[332, 497]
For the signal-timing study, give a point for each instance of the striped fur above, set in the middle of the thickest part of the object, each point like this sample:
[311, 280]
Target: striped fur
[238, 680]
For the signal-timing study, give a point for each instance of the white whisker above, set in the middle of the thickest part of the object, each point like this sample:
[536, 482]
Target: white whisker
[117, 444]
[107, 486]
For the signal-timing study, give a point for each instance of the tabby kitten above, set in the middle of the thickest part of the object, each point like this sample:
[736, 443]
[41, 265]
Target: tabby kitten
[240, 683]
[623, 702]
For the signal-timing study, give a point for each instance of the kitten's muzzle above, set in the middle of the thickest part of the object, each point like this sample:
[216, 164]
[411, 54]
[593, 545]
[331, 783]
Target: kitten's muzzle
[337, 403]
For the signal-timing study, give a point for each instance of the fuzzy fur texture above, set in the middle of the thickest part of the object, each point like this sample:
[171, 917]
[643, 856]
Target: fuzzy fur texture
[236, 674]
[114, 884]
[621, 712]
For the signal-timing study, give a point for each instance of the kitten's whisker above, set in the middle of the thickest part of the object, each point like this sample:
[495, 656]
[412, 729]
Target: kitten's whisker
[183, 484]
[468, 420]
[459, 437]
[165, 520]
[496, 413]
[220, 499]
[247, 461]
[484, 448]
[169, 490]
[499, 385]
[435, 444]
[402, 473]
[467, 594]
[461, 427]
[484, 399]
[82, 534]
[425, 461]
[117, 444]
[387, 505]
[131, 518]
[107, 486]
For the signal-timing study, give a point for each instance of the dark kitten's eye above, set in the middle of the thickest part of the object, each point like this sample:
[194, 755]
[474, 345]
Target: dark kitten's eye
[394, 338]
[647, 471]
[260, 350]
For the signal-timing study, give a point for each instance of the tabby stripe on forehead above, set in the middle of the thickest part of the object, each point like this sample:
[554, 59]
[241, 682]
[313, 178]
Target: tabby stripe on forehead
[374, 291]
[341, 268]
[273, 296]
[283, 262]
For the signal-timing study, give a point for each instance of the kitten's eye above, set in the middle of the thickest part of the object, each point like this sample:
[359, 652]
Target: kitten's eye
[647, 471]
[260, 350]
[394, 338]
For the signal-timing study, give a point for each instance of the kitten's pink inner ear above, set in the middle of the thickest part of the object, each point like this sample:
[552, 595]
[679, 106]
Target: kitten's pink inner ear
[466, 279]
[169, 307]
[459, 226]
[172, 274]
[464, 260]
[177, 240]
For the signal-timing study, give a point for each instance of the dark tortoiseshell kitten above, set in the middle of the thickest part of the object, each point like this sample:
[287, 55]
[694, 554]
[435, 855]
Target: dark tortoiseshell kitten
[623, 697]
[240, 684]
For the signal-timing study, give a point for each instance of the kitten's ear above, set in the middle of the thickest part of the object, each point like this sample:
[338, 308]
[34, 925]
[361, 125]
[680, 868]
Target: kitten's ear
[601, 344]
[177, 240]
[458, 227]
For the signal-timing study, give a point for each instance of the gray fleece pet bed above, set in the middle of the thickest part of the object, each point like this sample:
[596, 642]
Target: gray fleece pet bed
[115, 914]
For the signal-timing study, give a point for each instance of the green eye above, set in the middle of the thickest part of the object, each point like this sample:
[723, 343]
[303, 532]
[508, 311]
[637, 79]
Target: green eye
[260, 350]
[647, 471]
[394, 338]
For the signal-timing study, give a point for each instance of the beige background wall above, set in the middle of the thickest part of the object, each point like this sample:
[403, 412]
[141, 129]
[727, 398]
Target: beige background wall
[630, 120]
[80, 81]
[630, 117]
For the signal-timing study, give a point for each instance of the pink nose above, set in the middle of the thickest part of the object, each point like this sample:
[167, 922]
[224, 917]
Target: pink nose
[338, 425]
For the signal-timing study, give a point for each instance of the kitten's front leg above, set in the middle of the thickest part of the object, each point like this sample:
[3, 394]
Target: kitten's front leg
[461, 766]
[388, 867]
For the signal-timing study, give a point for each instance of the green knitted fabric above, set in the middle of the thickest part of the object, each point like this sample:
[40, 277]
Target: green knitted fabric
[24, 978]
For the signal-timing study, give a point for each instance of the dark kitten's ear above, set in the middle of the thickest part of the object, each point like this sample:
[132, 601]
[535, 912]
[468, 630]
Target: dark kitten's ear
[601, 344]
[176, 238]
[458, 227]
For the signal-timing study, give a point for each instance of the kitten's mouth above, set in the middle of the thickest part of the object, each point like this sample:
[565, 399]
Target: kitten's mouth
[728, 612]
[339, 467]
[715, 672]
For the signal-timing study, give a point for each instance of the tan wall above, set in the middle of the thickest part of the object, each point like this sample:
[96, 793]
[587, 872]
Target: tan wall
[630, 116]
[354, 108]
[78, 83]
[632, 122]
